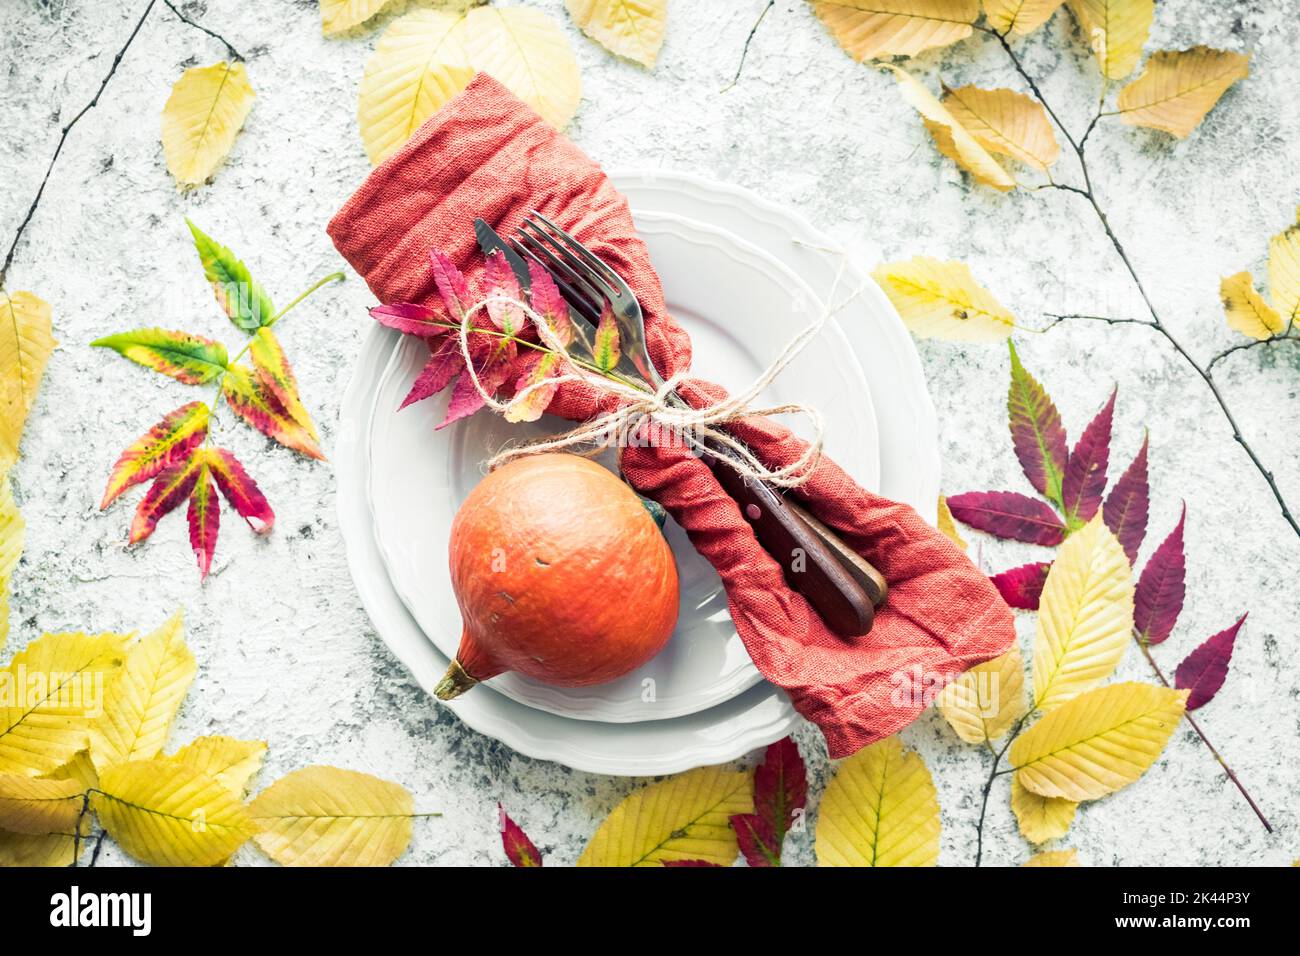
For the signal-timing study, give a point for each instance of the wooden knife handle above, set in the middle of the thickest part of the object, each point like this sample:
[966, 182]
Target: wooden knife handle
[863, 571]
[811, 565]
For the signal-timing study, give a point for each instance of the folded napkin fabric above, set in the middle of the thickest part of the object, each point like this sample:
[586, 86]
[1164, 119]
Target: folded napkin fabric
[488, 154]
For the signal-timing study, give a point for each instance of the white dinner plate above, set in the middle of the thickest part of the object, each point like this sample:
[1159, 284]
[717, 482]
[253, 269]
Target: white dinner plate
[741, 307]
[760, 715]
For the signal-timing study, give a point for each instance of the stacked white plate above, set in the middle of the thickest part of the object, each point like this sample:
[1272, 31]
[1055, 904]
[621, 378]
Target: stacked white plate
[743, 276]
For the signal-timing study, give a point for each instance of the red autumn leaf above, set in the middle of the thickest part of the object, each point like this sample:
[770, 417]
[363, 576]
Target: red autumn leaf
[249, 399]
[1008, 514]
[240, 490]
[1158, 599]
[520, 850]
[606, 348]
[690, 863]
[1036, 431]
[1085, 471]
[451, 284]
[205, 520]
[1205, 668]
[535, 388]
[1128, 505]
[444, 364]
[410, 318]
[502, 284]
[170, 441]
[545, 298]
[274, 373]
[780, 787]
[466, 398]
[172, 486]
[758, 844]
[1023, 586]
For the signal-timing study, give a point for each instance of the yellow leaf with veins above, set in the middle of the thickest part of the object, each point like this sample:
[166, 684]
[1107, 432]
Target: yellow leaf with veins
[686, 817]
[1246, 309]
[984, 702]
[880, 809]
[948, 526]
[1019, 16]
[29, 805]
[428, 56]
[338, 16]
[25, 347]
[202, 117]
[868, 29]
[232, 762]
[1177, 88]
[942, 300]
[1040, 818]
[630, 28]
[1054, 858]
[1116, 31]
[1097, 742]
[1006, 123]
[1085, 615]
[1284, 273]
[953, 139]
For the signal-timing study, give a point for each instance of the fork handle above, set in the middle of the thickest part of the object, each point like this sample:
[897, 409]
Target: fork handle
[811, 565]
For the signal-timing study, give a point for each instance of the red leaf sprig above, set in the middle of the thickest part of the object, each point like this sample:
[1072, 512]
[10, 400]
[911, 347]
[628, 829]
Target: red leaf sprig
[520, 850]
[177, 454]
[780, 794]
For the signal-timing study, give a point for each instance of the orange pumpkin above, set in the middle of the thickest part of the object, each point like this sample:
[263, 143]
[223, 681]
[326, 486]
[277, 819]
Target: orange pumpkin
[560, 573]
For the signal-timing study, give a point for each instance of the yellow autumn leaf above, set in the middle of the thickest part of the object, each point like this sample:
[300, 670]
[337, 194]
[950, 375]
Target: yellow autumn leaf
[1019, 16]
[11, 549]
[686, 817]
[1006, 123]
[942, 300]
[951, 138]
[1245, 308]
[1040, 818]
[49, 694]
[143, 701]
[630, 28]
[428, 56]
[168, 814]
[1054, 858]
[232, 762]
[25, 346]
[1284, 273]
[46, 849]
[324, 816]
[986, 700]
[528, 52]
[29, 805]
[1098, 742]
[1115, 31]
[1177, 88]
[202, 117]
[338, 16]
[868, 29]
[1085, 615]
[880, 809]
[948, 526]
[80, 769]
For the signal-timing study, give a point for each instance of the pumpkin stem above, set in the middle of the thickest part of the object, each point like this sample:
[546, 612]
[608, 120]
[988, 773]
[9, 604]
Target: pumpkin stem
[455, 682]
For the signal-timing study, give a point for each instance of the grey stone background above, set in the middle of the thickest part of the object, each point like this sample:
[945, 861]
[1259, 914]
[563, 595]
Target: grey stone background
[285, 650]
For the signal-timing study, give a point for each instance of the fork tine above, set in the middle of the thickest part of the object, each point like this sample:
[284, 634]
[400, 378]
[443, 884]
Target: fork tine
[608, 274]
[571, 295]
[572, 257]
[572, 269]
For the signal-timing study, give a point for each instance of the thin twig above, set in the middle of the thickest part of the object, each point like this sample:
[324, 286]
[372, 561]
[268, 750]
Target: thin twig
[234, 54]
[1280, 337]
[63, 136]
[1159, 326]
[1146, 652]
[99, 845]
[1156, 323]
[745, 52]
[1057, 319]
[994, 773]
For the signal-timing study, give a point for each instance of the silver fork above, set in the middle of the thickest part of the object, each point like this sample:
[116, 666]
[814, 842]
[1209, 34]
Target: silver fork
[841, 585]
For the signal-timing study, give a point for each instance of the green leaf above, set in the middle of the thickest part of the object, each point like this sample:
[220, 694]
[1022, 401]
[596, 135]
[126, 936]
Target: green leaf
[191, 359]
[242, 299]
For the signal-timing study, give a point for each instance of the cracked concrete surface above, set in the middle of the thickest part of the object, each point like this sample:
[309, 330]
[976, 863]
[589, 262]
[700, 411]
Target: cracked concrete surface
[285, 650]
